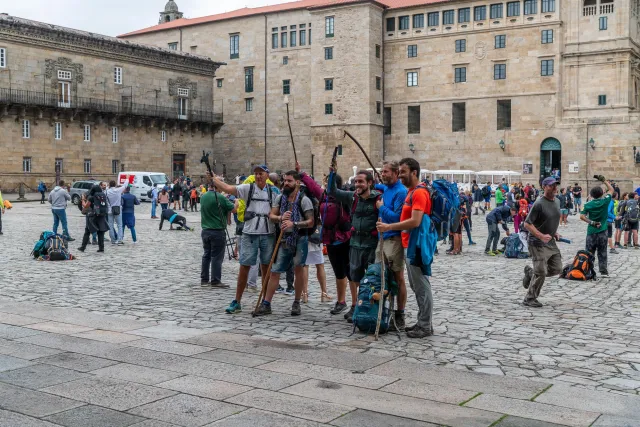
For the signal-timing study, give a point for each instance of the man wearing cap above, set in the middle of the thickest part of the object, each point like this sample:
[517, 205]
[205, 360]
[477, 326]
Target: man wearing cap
[542, 224]
[258, 232]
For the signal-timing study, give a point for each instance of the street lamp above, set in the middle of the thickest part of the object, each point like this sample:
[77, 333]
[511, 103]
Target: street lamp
[502, 144]
[592, 144]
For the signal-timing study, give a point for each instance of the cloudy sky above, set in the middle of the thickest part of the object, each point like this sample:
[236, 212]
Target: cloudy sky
[115, 17]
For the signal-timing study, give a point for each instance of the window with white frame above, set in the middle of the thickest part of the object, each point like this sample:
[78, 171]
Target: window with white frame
[183, 108]
[163, 136]
[115, 166]
[59, 165]
[412, 78]
[26, 129]
[183, 92]
[173, 46]
[87, 165]
[117, 75]
[64, 75]
[114, 134]
[248, 104]
[26, 164]
[87, 133]
[328, 26]
[57, 132]
[3, 57]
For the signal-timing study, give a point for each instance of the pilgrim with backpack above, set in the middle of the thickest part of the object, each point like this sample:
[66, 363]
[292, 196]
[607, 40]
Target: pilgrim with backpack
[96, 208]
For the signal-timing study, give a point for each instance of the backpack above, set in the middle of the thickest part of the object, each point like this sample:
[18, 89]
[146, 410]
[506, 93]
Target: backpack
[334, 218]
[514, 247]
[445, 204]
[486, 191]
[39, 249]
[100, 207]
[581, 268]
[524, 208]
[56, 248]
[150, 193]
[631, 211]
[365, 315]
[310, 232]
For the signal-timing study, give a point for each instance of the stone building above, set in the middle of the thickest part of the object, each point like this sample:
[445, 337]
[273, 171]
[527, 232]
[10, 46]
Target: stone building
[75, 105]
[524, 85]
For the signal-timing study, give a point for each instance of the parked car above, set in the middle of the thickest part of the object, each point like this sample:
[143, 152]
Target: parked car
[79, 188]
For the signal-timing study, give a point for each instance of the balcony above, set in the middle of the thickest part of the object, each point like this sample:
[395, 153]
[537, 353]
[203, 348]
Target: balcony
[606, 8]
[589, 10]
[41, 100]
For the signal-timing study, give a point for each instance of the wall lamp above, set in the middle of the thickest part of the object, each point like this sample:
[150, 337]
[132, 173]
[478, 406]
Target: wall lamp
[412, 147]
[592, 144]
[502, 145]
[636, 154]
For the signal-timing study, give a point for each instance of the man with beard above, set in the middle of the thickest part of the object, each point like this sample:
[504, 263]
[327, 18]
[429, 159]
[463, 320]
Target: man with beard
[294, 212]
[364, 236]
[96, 220]
[390, 207]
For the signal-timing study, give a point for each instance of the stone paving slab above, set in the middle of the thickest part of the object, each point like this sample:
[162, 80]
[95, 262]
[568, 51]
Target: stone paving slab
[8, 418]
[70, 343]
[34, 403]
[8, 363]
[59, 328]
[107, 336]
[511, 421]
[13, 332]
[359, 418]
[136, 374]
[39, 376]
[17, 320]
[25, 351]
[153, 423]
[169, 346]
[204, 387]
[235, 358]
[79, 362]
[258, 418]
[612, 421]
[169, 332]
[93, 416]
[441, 393]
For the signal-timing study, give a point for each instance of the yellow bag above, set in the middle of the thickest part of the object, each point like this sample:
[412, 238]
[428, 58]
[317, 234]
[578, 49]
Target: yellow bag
[7, 204]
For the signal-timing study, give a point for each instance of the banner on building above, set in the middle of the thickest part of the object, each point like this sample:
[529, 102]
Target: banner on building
[527, 168]
[573, 167]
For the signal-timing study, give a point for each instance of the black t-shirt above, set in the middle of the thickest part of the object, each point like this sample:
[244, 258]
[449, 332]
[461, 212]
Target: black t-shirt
[577, 191]
[545, 216]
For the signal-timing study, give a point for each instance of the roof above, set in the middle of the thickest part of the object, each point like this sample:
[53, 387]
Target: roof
[282, 7]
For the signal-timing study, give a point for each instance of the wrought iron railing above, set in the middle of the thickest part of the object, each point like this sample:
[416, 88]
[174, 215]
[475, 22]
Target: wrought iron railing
[126, 108]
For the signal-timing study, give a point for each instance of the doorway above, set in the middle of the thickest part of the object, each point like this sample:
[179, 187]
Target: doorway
[550, 157]
[179, 161]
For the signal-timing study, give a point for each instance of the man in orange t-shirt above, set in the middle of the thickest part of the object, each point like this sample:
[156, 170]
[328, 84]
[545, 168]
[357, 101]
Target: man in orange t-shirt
[417, 203]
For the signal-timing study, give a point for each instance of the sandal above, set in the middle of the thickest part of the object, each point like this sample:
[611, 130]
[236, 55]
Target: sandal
[305, 297]
[325, 297]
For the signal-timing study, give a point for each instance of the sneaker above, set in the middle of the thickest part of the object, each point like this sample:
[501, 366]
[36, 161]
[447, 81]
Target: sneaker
[338, 308]
[120, 243]
[233, 308]
[219, 285]
[490, 253]
[410, 328]
[94, 242]
[613, 251]
[280, 290]
[289, 291]
[636, 247]
[399, 320]
[472, 243]
[418, 332]
[70, 239]
[604, 273]
[295, 309]
[349, 315]
[81, 249]
[100, 250]
[252, 288]
[203, 283]
[526, 280]
[624, 247]
[1, 233]
[263, 310]
[618, 245]
[532, 303]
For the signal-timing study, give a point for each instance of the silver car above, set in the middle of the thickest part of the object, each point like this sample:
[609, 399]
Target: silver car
[79, 188]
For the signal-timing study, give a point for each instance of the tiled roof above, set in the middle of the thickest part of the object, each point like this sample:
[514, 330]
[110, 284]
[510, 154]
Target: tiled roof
[249, 11]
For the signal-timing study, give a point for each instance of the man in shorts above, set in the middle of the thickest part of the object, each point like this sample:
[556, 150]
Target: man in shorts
[258, 231]
[577, 198]
[390, 208]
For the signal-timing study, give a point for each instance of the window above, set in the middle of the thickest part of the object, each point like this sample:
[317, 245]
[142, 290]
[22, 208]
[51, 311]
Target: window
[418, 20]
[602, 99]
[495, 11]
[303, 37]
[460, 75]
[3, 57]
[412, 78]
[219, 82]
[117, 75]
[530, 7]
[57, 130]
[433, 19]
[114, 134]
[26, 129]
[59, 163]
[464, 15]
[461, 46]
[500, 42]
[286, 87]
[328, 84]
[458, 117]
[163, 136]
[328, 108]
[183, 108]
[504, 114]
[548, 6]
[328, 53]
[480, 13]
[546, 67]
[115, 166]
[412, 51]
[413, 119]
[513, 8]
[378, 107]
[310, 40]
[386, 119]
[292, 39]
[64, 75]
[248, 79]
[328, 26]
[248, 104]
[283, 39]
[603, 23]
[274, 40]
[448, 17]
[547, 36]
[87, 133]
[403, 22]
[285, 60]
[183, 92]
[378, 83]
[377, 51]
[391, 24]
[173, 46]
[234, 46]
[26, 164]
[87, 166]
[499, 71]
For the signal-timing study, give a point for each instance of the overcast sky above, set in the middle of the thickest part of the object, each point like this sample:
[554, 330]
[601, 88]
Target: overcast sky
[114, 17]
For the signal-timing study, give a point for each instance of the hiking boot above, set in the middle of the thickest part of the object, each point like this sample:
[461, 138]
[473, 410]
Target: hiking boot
[289, 291]
[219, 285]
[349, 315]
[81, 248]
[70, 239]
[120, 243]
[233, 308]
[204, 283]
[295, 309]
[532, 303]
[604, 273]
[472, 243]
[264, 310]
[410, 328]
[613, 251]
[338, 308]
[399, 320]
[280, 290]
[100, 250]
[526, 280]
[418, 332]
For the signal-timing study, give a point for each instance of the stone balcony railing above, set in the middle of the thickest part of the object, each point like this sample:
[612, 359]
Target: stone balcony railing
[606, 8]
[589, 10]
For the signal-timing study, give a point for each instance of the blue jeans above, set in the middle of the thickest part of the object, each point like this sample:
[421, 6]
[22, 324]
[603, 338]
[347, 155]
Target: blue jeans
[60, 217]
[113, 221]
[154, 203]
[214, 244]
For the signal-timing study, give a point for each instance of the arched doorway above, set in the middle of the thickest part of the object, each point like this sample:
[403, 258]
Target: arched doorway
[550, 157]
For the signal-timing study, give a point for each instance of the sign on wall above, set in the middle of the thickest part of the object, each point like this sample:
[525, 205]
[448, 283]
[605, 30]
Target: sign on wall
[527, 168]
[573, 167]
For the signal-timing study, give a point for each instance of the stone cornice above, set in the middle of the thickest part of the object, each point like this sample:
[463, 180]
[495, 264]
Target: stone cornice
[44, 35]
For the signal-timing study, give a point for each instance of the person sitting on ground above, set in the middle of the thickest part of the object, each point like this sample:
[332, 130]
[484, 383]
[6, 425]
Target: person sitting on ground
[173, 218]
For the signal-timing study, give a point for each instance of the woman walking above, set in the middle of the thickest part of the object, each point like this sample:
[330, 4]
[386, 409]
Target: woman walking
[163, 199]
[129, 201]
[95, 208]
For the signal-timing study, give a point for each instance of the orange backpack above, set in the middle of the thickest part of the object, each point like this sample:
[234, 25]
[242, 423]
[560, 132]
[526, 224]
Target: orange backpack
[524, 208]
[194, 194]
[581, 268]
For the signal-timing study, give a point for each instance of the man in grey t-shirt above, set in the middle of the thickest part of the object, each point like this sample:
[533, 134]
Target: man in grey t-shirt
[542, 224]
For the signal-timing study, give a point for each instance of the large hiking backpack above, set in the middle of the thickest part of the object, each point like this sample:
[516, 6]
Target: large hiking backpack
[514, 247]
[365, 315]
[581, 268]
[631, 211]
[486, 191]
[39, 249]
[56, 248]
[445, 203]
[100, 207]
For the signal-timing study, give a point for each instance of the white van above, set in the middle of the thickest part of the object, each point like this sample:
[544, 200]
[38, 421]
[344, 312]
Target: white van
[142, 182]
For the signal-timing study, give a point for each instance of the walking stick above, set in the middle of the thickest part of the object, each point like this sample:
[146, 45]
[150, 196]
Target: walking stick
[382, 280]
[363, 152]
[295, 156]
[267, 274]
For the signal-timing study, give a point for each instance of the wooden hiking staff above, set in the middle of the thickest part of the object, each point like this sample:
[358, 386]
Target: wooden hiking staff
[382, 280]
[363, 152]
[295, 156]
[265, 277]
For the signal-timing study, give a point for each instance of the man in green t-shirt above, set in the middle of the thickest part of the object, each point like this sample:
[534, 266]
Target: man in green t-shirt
[214, 214]
[595, 213]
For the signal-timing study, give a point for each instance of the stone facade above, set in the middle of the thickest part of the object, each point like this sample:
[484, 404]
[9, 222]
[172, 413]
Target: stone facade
[58, 81]
[594, 49]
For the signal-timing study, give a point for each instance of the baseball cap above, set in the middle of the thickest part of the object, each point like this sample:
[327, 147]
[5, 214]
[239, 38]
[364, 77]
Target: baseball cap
[263, 167]
[549, 181]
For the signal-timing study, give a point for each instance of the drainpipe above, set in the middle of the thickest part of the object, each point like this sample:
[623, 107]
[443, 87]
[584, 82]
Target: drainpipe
[384, 85]
[180, 29]
[265, 89]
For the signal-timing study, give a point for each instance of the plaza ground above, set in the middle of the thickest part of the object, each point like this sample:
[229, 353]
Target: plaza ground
[130, 337]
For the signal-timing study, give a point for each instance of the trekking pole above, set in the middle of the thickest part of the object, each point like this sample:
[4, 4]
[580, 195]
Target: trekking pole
[382, 277]
[267, 274]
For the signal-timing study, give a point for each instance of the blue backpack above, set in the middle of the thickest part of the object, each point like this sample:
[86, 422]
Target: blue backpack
[365, 315]
[39, 249]
[445, 203]
[514, 246]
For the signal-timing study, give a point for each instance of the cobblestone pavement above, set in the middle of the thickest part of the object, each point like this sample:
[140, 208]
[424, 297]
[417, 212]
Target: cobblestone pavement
[585, 336]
